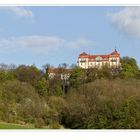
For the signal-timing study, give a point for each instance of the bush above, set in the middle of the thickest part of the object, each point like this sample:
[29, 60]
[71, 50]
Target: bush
[27, 73]
[103, 104]
[39, 123]
[41, 86]
[52, 116]
[19, 101]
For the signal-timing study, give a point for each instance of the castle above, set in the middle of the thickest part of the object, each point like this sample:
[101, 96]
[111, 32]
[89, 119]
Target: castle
[86, 61]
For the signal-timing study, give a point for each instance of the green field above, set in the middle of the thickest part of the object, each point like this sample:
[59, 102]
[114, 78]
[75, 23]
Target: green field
[4, 125]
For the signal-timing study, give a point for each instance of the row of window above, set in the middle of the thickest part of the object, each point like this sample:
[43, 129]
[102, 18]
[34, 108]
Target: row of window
[112, 60]
[103, 63]
[98, 59]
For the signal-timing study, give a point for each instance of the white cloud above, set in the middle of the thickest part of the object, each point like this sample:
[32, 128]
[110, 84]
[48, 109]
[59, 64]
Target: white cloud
[31, 43]
[18, 11]
[127, 20]
[40, 44]
[82, 42]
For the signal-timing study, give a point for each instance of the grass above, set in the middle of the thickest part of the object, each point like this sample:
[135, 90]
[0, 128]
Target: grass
[4, 125]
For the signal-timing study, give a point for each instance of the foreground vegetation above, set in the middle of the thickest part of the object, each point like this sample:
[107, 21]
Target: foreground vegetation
[4, 125]
[104, 104]
[94, 98]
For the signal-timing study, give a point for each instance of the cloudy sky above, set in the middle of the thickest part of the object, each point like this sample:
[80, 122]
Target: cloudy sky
[40, 35]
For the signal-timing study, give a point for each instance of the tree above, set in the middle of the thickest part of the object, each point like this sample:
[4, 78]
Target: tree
[104, 104]
[77, 77]
[46, 68]
[3, 75]
[7, 72]
[129, 67]
[73, 65]
[92, 74]
[63, 65]
[41, 86]
[27, 73]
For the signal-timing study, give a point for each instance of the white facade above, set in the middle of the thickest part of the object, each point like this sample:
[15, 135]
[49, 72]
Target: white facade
[86, 61]
[55, 73]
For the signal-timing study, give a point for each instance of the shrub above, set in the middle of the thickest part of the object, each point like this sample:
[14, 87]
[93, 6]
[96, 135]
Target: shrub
[19, 101]
[103, 104]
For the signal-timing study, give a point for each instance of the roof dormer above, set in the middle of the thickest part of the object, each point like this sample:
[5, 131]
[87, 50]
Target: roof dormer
[115, 53]
[83, 55]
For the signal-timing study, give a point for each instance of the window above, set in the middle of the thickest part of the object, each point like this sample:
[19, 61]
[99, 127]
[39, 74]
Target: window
[113, 60]
[98, 59]
[83, 60]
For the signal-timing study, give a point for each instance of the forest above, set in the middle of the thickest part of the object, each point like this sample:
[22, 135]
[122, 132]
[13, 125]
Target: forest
[107, 98]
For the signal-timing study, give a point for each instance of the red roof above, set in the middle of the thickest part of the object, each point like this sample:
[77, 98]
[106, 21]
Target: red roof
[59, 70]
[94, 56]
[85, 55]
[114, 53]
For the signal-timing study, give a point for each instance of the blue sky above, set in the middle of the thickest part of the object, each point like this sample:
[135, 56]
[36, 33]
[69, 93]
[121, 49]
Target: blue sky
[54, 35]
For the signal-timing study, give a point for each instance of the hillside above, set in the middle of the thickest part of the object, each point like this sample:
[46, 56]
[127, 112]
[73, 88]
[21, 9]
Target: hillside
[90, 99]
